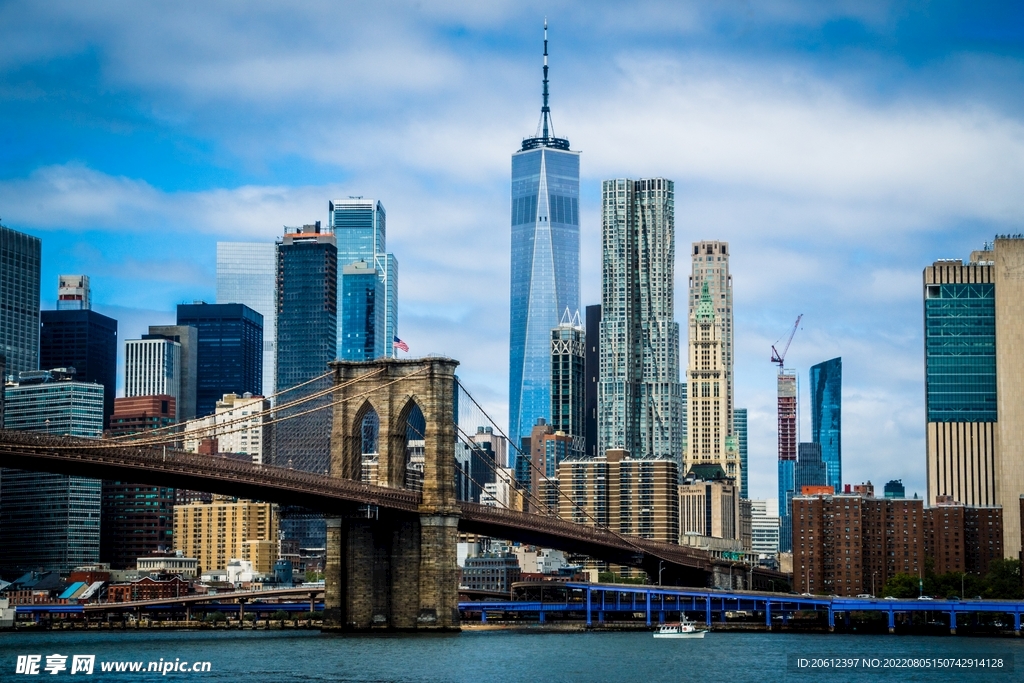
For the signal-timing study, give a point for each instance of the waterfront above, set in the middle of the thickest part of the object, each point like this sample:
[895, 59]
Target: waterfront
[509, 656]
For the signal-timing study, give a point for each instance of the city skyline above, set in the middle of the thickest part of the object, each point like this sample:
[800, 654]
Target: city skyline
[922, 180]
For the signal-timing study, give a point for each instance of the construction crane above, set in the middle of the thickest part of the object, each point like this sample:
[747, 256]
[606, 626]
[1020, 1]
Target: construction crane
[780, 358]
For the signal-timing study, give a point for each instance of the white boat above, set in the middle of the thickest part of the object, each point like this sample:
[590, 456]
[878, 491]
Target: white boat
[684, 629]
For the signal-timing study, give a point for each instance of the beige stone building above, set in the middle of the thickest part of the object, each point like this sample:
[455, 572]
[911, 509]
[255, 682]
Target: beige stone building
[215, 533]
[238, 426]
[974, 387]
[637, 497]
[710, 511]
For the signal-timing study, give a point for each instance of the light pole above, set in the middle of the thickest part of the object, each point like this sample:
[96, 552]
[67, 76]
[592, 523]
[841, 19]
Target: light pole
[661, 568]
[873, 593]
[962, 575]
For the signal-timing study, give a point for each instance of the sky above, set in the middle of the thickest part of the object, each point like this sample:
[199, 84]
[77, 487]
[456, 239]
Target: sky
[838, 147]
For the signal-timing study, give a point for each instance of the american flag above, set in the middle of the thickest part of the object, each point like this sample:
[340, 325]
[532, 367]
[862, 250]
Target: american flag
[400, 345]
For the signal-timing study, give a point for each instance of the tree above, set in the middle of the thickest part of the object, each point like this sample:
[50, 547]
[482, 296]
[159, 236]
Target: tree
[902, 586]
[1003, 580]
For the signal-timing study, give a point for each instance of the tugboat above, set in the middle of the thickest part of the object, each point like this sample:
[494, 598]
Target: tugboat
[684, 629]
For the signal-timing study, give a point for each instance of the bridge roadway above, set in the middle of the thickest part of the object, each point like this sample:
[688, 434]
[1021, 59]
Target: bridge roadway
[596, 600]
[158, 466]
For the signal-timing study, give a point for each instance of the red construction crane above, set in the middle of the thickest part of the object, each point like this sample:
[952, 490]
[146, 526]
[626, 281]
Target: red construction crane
[780, 358]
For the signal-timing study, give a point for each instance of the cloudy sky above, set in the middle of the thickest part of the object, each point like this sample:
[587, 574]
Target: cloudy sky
[838, 149]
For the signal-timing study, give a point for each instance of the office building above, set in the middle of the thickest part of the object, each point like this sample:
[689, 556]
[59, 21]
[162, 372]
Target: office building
[247, 274]
[224, 530]
[51, 521]
[624, 494]
[975, 420]
[764, 526]
[810, 469]
[568, 382]
[153, 366]
[361, 309]
[739, 430]
[73, 293]
[709, 510]
[491, 572]
[827, 417]
[895, 489]
[20, 257]
[545, 269]
[360, 227]
[229, 356]
[710, 266]
[141, 413]
[3, 380]
[640, 398]
[709, 440]
[495, 443]
[787, 416]
[240, 425]
[188, 338]
[74, 336]
[592, 368]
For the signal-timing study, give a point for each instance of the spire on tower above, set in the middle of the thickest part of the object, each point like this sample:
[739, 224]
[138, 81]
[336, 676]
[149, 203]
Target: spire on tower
[545, 136]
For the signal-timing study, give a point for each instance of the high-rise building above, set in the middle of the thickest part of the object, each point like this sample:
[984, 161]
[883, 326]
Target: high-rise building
[361, 311]
[142, 413]
[568, 382]
[152, 366]
[710, 265]
[51, 521]
[247, 274]
[239, 426]
[709, 509]
[810, 468]
[21, 257]
[710, 440]
[895, 489]
[545, 273]
[76, 337]
[73, 293]
[739, 429]
[787, 412]
[975, 420]
[224, 530]
[360, 227]
[827, 417]
[764, 526]
[188, 337]
[640, 398]
[592, 367]
[229, 356]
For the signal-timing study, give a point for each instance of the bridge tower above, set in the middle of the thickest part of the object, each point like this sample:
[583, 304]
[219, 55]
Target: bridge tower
[387, 569]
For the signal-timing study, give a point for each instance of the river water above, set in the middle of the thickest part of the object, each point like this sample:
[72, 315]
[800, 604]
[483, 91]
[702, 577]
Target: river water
[516, 656]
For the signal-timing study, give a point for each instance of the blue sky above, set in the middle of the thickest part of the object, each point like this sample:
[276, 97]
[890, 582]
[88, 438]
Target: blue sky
[839, 147]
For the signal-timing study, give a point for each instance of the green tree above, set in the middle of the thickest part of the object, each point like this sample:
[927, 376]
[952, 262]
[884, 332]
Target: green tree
[902, 586]
[1003, 580]
[280, 615]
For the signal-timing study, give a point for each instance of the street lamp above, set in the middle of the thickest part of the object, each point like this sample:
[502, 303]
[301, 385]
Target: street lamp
[661, 568]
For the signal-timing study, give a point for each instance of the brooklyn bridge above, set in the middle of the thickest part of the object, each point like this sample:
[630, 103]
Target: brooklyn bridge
[391, 551]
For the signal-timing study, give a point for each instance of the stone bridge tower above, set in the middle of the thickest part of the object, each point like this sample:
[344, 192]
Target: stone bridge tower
[388, 569]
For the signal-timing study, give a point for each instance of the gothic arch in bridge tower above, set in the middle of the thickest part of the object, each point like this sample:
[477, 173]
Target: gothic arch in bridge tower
[389, 569]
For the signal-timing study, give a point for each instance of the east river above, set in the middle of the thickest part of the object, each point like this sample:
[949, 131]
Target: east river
[514, 657]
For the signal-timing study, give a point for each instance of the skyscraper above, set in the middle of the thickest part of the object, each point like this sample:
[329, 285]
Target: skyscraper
[247, 274]
[151, 367]
[709, 441]
[739, 428]
[787, 396]
[810, 469]
[51, 521]
[827, 417]
[545, 269]
[76, 337]
[229, 355]
[360, 228]
[710, 265]
[592, 365]
[21, 257]
[640, 400]
[187, 337]
[361, 309]
[568, 382]
[975, 419]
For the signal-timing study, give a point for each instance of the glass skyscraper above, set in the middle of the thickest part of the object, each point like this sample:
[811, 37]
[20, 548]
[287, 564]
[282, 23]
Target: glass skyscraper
[545, 269]
[20, 263]
[827, 417]
[360, 227]
[229, 357]
[361, 312]
[739, 426]
[247, 274]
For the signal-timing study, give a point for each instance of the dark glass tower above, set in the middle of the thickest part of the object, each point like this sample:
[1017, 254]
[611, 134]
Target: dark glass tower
[361, 312]
[230, 351]
[827, 417]
[20, 262]
[86, 341]
[545, 275]
[592, 363]
[739, 428]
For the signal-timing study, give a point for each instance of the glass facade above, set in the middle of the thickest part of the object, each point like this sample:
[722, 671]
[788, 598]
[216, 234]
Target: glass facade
[827, 418]
[361, 312]
[787, 483]
[545, 276]
[51, 521]
[229, 355]
[360, 227]
[247, 274]
[20, 262]
[568, 383]
[960, 353]
[83, 340]
[739, 422]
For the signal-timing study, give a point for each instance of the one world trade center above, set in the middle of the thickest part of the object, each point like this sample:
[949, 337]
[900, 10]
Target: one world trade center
[545, 263]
